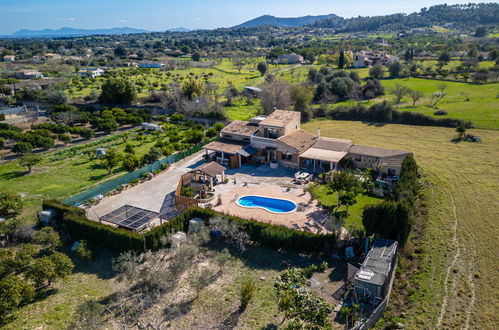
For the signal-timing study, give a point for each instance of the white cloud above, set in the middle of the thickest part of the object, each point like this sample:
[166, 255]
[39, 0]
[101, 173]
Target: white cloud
[122, 21]
[69, 19]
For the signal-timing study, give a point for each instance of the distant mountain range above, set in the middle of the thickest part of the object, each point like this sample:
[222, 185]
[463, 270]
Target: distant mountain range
[285, 21]
[72, 32]
[179, 29]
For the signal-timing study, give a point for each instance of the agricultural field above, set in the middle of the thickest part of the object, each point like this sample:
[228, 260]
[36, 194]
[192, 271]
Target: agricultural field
[466, 101]
[481, 109]
[458, 273]
[63, 173]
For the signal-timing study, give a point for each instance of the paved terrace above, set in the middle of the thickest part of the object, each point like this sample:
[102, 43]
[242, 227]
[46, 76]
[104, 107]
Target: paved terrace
[155, 195]
[276, 183]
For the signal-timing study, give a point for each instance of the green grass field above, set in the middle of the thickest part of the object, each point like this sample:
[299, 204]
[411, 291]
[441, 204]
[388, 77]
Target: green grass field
[458, 275]
[62, 178]
[481, 109]
[242, 111]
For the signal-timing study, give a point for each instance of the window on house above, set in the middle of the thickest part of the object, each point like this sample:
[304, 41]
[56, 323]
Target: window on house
[391, 171]
[290, 157]
[358, 158]
[273, 133]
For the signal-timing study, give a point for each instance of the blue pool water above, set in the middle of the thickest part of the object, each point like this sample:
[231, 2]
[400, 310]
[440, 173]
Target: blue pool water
[276, 205]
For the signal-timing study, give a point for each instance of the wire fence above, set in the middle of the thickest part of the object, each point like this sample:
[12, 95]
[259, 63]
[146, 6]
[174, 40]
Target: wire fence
[113, 184]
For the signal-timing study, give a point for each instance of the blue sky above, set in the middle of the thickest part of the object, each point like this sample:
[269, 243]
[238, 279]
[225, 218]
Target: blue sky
[159, 15]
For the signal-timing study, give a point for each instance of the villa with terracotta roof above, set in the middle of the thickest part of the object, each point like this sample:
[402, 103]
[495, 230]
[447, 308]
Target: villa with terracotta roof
[277, 139]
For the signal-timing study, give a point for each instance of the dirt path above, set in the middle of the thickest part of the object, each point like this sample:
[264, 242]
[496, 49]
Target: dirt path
[471, 279]
[456, 246]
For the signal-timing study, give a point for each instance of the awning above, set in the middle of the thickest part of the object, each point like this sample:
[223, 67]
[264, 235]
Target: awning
[225, 146]
[324, 155]
[247, 151]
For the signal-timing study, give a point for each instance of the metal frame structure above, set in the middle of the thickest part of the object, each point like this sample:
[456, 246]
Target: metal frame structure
[130, 217]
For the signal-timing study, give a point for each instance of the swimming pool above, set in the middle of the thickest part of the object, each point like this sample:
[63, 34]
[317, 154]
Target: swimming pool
[274, 205]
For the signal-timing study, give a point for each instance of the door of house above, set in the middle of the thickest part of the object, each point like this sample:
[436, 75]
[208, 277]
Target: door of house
[269, 155]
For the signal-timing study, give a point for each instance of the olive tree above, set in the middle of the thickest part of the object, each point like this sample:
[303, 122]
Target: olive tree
[347, 186]
[29, 160]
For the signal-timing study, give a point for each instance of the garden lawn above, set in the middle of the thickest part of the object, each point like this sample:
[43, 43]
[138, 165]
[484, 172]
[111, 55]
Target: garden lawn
[458, 271]
[327, 197]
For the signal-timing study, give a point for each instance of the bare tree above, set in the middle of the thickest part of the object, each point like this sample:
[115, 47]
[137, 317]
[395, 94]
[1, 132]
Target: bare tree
[415, 96]
[230, 232]
[275, 95]
[437, 97]
[399, 92]
[466, 95]
[200, 279]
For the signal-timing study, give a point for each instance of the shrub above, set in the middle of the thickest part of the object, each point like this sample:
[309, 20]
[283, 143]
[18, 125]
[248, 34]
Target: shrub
[384, 112]
[218, 126]
[10, 203]
[440, 113]
[130, 163]
[247, 292]
[83, 252]
[79, 227]
[153, 155]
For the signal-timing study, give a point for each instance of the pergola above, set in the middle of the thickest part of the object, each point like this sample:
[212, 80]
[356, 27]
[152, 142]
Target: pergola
[209, 171]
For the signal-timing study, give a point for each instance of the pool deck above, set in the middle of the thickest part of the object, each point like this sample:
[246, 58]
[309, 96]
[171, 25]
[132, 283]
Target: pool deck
[309, 216]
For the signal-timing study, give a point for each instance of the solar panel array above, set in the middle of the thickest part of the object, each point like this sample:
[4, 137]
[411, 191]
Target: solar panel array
[130, 217]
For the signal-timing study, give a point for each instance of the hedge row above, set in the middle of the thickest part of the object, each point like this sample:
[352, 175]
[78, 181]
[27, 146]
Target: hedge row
[273, 236]
[75, 222]
[385, 113]
[279, 237]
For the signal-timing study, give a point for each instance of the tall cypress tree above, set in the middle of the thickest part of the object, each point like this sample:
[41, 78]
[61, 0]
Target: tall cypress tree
[341, 61]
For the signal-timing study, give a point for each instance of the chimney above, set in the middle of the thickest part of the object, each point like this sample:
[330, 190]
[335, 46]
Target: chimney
[319, 132]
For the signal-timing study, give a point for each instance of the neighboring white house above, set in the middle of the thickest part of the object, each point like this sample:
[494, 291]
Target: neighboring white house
[151, 65]
[290, 59]
[151, 127]
[9, 58]
[368, 58]
[91, 72]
